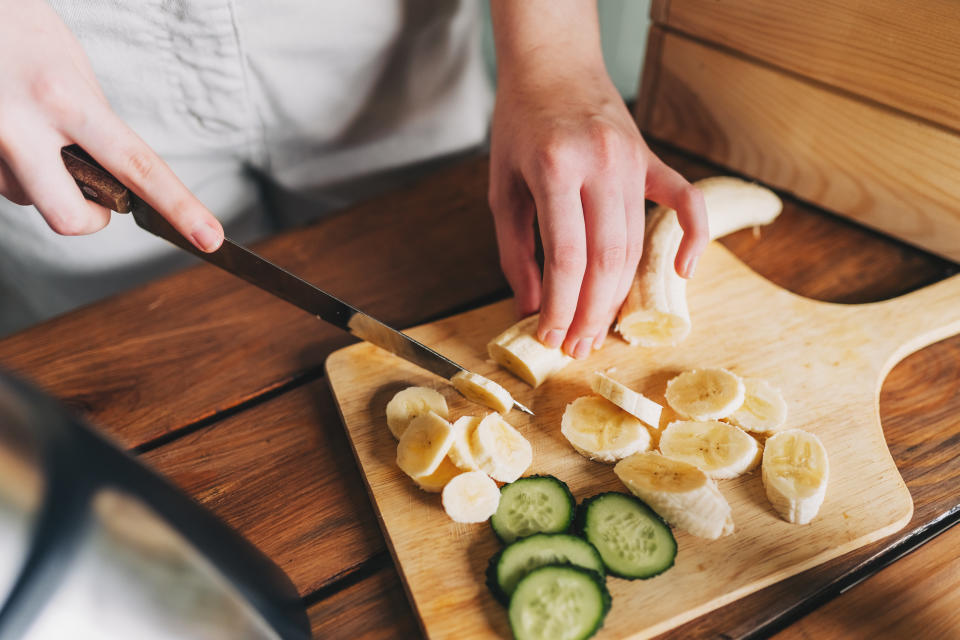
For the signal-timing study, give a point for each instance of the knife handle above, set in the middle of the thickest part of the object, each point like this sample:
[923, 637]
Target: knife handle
[94, 181]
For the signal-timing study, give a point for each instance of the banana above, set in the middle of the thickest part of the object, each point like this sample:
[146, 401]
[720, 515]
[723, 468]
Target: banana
[764, 409]
[705, 394]
[795, 472]
[681, 493]
[599, 430]
[424, 445]
[719, 449]
[655, 312]
[627, 399]
[499, 450]
[483, 391]
[436, 481]
[518, 351]
[459, 452]
[410, 403]
[470, 497]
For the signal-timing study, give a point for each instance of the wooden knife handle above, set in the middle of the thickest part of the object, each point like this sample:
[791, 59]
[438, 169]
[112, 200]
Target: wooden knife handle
[94, 181]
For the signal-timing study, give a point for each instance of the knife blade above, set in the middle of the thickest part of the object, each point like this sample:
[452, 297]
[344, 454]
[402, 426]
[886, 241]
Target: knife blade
[97, 184]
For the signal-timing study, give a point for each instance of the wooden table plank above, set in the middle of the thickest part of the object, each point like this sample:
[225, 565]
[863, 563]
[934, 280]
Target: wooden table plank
[282, 473]
[919, 596]
[373, 609]
[183, 348]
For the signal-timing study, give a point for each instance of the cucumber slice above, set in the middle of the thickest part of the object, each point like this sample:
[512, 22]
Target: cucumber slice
[634, 542]
[535, 504]
[558, 603]
[511, 564]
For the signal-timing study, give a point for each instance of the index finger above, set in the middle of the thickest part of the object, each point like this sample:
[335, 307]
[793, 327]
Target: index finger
[667, 187]
[136, 165]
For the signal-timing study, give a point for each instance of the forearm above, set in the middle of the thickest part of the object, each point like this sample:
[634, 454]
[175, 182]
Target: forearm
[536, 37]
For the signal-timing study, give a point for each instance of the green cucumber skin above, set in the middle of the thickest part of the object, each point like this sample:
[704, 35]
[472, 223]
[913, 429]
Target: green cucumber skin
[557, 481]
[581, 523]
[492, 572]
[598, 580]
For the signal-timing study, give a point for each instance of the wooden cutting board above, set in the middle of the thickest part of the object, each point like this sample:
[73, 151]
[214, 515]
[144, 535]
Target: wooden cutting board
[829, 360]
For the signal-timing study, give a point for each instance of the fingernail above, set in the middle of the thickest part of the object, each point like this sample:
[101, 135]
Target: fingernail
[599, 340]
[206, 237]
[582, 348]
[692, 267]
[553, 338]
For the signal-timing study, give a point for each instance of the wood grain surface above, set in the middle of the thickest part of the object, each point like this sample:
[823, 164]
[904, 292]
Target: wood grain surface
[878, 167]
[263, 485]
[903, 55]
[919, 596]
[829, 361]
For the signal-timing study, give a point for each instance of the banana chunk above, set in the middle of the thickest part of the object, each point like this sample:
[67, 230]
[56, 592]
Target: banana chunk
[600, 430]
[636, 404]
[499, 450]
[795, 472]
[424, 445]
[483, 391]
[764, 410]
[410, 403]
[471, 497]
[720, 450]
[681, 493]
[518, 351]
[436, 481]
[655, 312]
[705, 394]
[459, 452]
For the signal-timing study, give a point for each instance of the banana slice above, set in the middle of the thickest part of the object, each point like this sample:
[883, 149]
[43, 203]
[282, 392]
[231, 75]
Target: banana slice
[655, 312]
[627, 399]
[424, 445]
[499, 450]
[410, 403]
[599, 430]
[764, 409]
[459, 452]
[719, 449]
[705, 394]
[682, 494]
[483, 391]
[471, 497]
[795, 471]
[436, 481]
[518, 351]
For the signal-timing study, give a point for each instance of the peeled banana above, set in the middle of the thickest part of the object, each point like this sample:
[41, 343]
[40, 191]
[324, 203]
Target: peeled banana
[795, 472]
[600, 430]
[705, 394]
[459, 452]
[436, 481]
[655, 312]
[499, 450]
[627, 399]
[410, 403]
[518, 351]
[483, 391]
[471, 497]
[764, 409]
[719, 449]
[681, 493]
[424, 445]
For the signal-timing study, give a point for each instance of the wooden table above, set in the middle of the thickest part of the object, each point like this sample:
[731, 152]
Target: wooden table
[220, 387]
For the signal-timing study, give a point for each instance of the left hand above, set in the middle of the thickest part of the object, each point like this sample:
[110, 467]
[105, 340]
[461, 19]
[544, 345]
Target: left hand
[565, 149]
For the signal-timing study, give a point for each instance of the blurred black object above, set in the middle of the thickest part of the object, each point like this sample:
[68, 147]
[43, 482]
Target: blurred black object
[94, 544]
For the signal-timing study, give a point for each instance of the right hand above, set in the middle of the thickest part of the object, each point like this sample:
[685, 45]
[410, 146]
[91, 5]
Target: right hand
[50, 98]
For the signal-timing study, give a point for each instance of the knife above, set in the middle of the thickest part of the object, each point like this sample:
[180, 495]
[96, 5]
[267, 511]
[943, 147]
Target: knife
[99, 185]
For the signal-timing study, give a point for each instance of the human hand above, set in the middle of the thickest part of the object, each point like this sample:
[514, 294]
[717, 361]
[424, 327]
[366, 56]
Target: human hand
[565, 150]
[50, 98]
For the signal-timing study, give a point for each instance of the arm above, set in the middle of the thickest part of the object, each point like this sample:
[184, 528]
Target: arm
[565, 150]
[50, 98]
